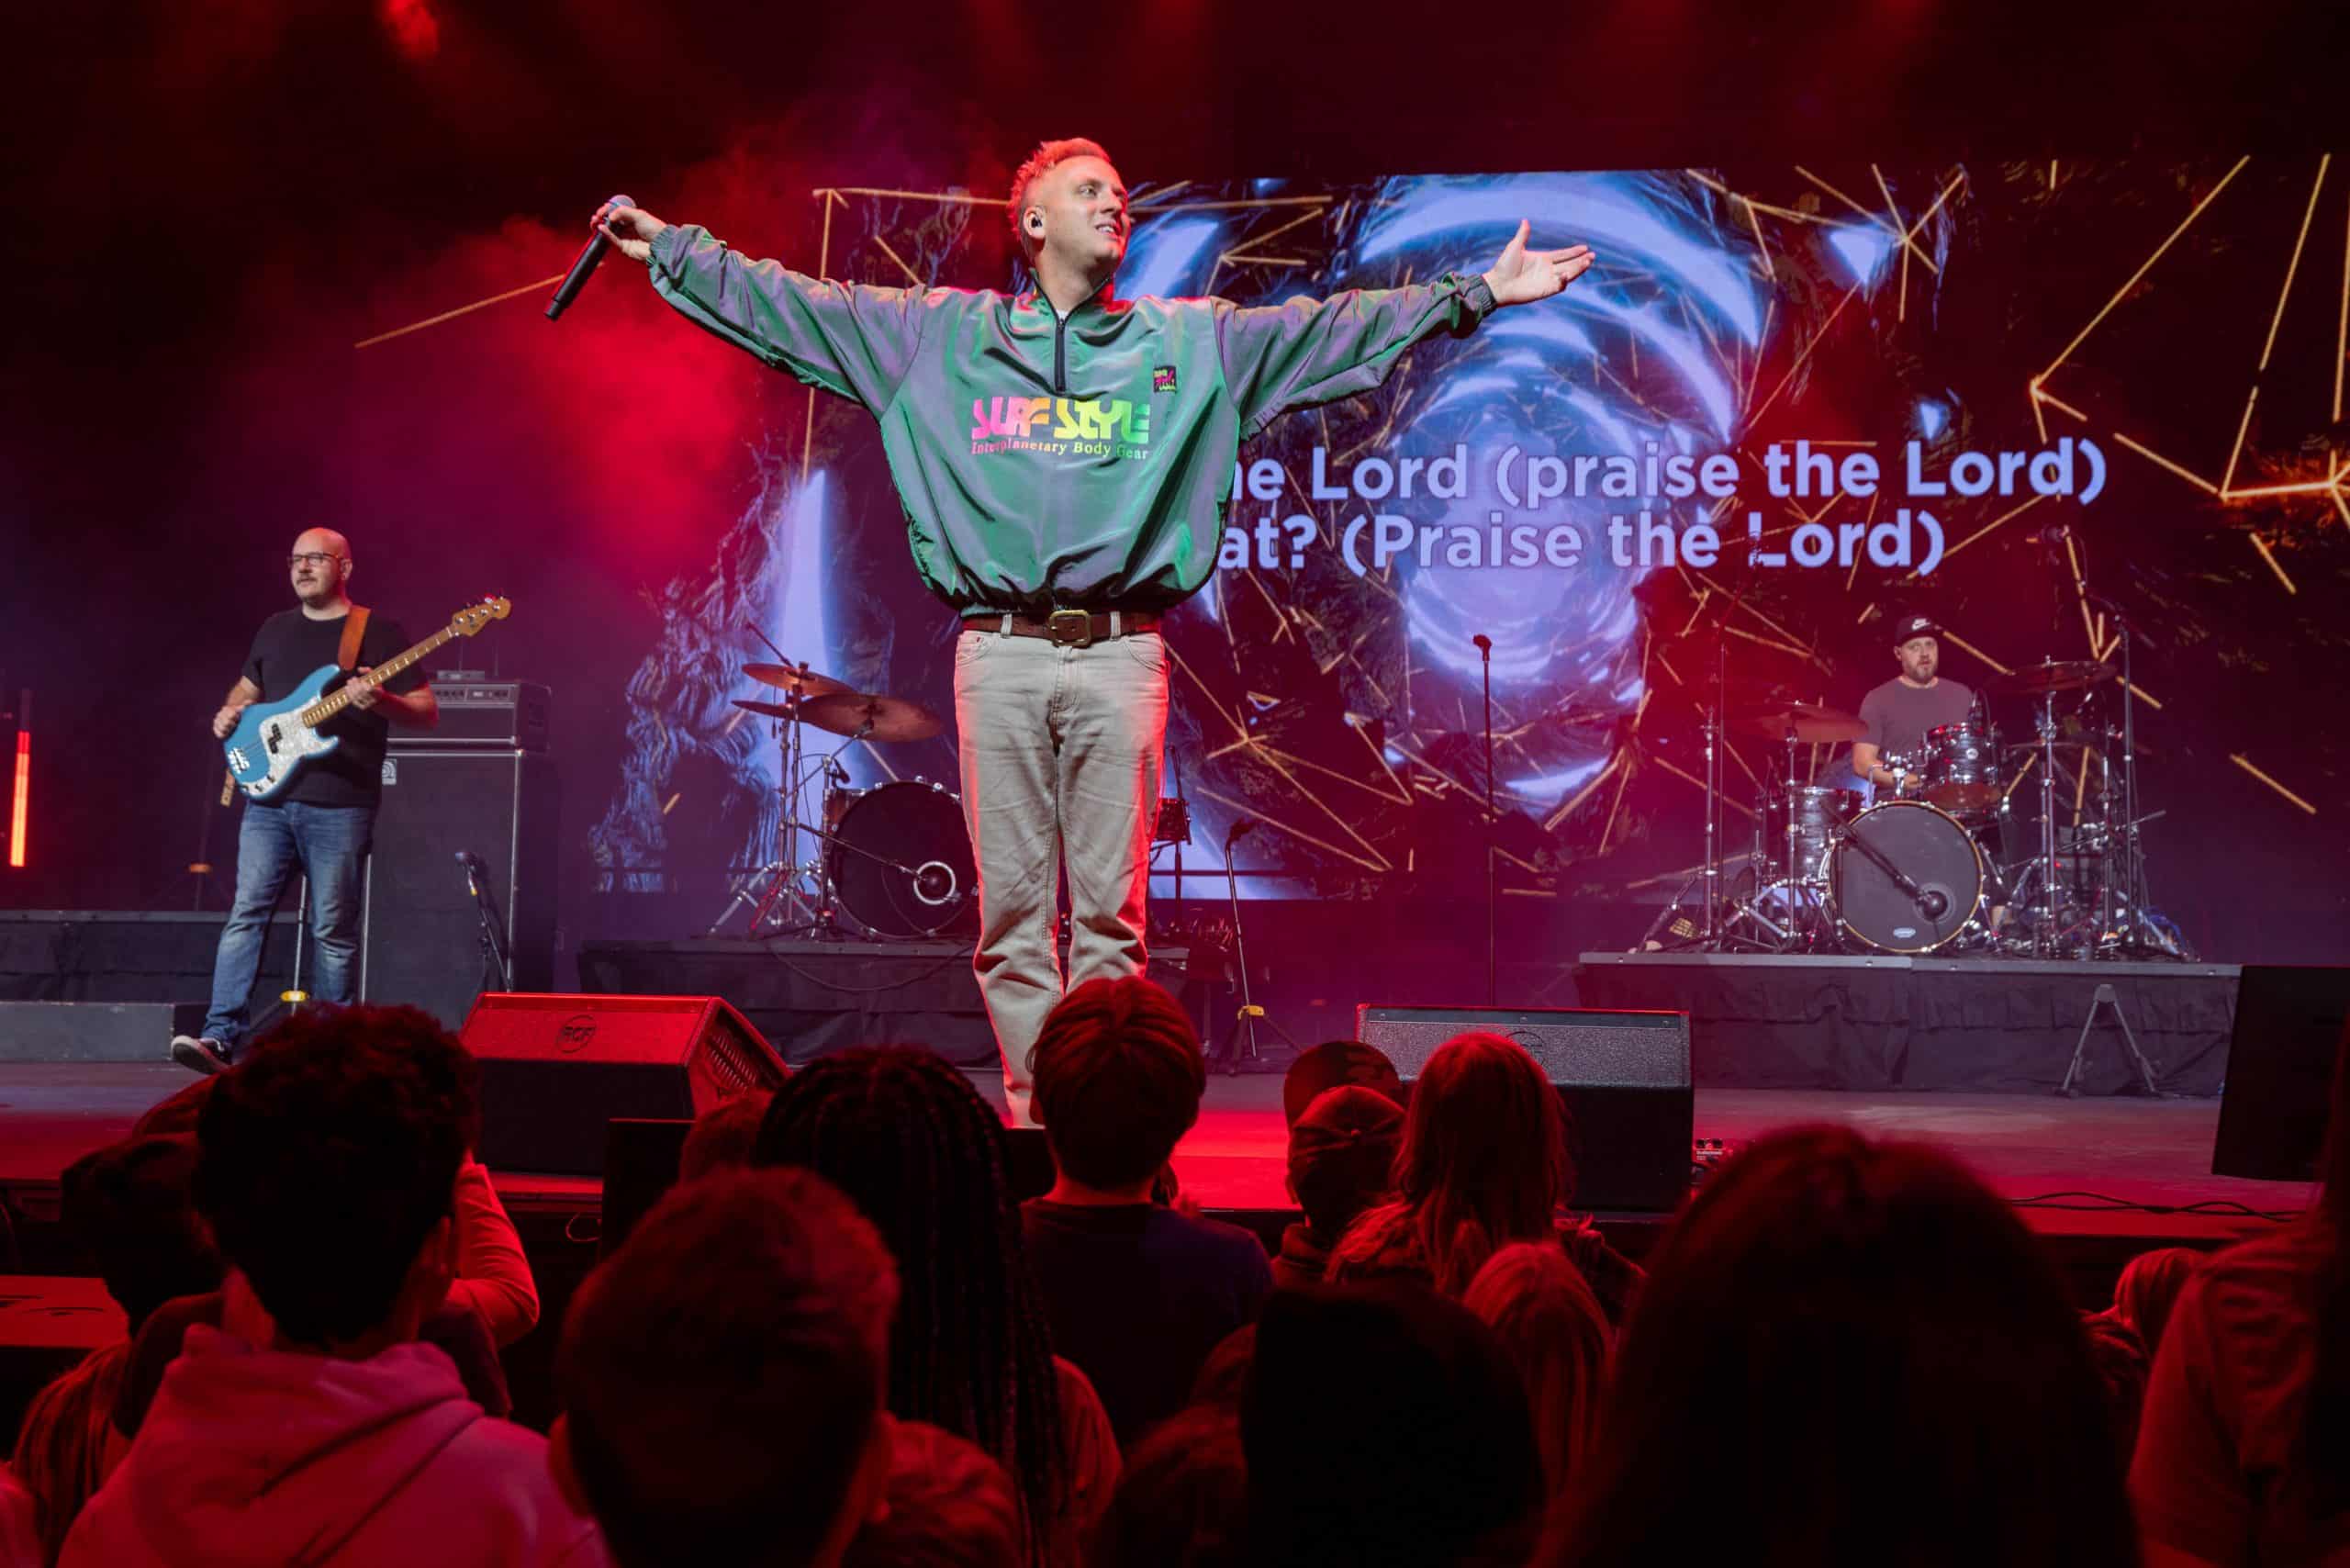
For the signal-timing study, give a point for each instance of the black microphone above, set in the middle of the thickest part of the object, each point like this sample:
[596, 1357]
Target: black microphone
[2054, 533]
[1484, 643]
[1240, 831]
[589, 259]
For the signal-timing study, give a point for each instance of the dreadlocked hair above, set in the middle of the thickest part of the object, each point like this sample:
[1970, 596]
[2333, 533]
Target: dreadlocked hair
[913, 1145]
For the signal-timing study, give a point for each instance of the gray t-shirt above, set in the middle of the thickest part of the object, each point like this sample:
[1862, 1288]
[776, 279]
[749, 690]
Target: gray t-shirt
[1898, 714]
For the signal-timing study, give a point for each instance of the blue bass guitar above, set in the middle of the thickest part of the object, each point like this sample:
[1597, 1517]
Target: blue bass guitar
[272, 740]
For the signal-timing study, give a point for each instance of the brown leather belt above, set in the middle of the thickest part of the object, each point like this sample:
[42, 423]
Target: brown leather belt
[1069, 628]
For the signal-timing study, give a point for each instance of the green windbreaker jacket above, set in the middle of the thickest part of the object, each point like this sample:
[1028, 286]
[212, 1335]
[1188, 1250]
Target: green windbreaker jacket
[1046, 461]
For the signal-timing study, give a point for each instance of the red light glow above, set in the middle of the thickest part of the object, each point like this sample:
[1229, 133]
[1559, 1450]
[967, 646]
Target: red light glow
[23, 792]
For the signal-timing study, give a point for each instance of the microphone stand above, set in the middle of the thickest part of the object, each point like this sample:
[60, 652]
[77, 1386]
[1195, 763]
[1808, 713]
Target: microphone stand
[1486, 647]
[1244, 1022]
[493, 925]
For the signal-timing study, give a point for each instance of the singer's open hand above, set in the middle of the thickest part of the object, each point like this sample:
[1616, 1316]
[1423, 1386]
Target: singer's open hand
[1522, 276]
[631, 227]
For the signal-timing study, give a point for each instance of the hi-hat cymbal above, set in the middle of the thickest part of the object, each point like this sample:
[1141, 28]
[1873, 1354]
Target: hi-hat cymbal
[871, 717]
[2054, 674]
[1804, 722]
[797, 678]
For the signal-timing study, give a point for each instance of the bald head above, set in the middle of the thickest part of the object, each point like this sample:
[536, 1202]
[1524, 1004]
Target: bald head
[319, 582]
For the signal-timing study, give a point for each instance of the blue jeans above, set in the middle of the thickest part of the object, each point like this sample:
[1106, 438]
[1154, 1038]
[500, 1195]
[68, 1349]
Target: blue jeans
[330, 844]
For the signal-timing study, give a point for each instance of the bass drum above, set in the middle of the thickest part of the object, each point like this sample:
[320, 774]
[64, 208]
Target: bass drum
[900, 860]
[1925, 845]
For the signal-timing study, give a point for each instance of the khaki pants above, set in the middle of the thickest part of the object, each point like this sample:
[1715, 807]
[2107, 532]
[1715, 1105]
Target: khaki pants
[1060, 749]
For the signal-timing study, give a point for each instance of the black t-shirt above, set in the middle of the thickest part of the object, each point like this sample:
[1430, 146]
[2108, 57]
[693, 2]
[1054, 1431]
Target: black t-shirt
[1138, 1295]
[288, 646]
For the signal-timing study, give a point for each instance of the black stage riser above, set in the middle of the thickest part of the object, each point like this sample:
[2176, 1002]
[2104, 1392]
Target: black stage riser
[1873, 1025]
[810, 999]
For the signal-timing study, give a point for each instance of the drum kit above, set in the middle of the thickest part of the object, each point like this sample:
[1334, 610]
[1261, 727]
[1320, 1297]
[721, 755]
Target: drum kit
[892, 861]
[1944, 863]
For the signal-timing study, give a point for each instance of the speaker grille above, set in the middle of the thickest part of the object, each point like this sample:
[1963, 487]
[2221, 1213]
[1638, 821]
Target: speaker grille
[732, 1063]
[1622, 1079]
[1630, 1050]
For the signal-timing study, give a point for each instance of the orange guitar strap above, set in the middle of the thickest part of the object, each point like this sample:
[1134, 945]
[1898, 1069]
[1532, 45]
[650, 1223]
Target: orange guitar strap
[355, 628]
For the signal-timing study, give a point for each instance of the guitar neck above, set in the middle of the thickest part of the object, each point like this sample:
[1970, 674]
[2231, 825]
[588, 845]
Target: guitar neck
[326, 708]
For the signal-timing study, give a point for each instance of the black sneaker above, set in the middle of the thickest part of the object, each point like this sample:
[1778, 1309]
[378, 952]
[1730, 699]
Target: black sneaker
[206, 1054]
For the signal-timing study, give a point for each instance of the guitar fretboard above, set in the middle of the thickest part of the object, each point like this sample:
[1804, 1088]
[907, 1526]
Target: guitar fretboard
[326, 708]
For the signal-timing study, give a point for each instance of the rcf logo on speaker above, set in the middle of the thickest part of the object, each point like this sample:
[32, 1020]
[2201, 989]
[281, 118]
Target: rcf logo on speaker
[575, 1031]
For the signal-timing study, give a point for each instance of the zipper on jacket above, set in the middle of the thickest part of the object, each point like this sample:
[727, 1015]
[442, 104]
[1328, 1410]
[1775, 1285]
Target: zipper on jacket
[1060, 350]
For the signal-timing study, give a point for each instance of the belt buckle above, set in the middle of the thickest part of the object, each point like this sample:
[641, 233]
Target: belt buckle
[1070, 628]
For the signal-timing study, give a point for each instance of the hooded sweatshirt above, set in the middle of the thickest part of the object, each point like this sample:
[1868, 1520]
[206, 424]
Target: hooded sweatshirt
[1046, 460]
[254, 1457]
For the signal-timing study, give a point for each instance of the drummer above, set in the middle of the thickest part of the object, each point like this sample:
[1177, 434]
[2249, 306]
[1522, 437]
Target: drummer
[1899, 712]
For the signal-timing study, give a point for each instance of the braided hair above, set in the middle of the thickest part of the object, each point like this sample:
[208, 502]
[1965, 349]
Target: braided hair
[914, 1147]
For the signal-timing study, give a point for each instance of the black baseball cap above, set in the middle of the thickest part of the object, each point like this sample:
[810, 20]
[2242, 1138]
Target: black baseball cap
[1910, 626]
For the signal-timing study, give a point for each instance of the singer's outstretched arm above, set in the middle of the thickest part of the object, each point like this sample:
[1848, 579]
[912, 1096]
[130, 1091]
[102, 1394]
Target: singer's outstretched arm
[851, 339]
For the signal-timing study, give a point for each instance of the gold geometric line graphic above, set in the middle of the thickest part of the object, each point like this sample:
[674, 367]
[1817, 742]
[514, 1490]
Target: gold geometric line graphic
[911, 276]
[2151, 455]
[1754, 416]
[1375, 863]
[1873, 218]
[2294, 266]
[2244, 763]
[2262, 545]
[944, 198]
[2144, 268]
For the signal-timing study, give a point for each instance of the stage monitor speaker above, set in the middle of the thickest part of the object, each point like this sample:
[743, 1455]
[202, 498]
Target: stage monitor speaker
[555, 1070]
[2288, 1033]
[422, 940]
[1622, 1077]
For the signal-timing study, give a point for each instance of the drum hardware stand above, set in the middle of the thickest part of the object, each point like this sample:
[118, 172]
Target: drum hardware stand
[2105, 997]
[2045, 938]
[1244, 1020]
[2139, 939]
[775, 885]
[1717, 928]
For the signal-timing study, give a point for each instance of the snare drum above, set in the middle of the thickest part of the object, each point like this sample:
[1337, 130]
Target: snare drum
[1962, 768]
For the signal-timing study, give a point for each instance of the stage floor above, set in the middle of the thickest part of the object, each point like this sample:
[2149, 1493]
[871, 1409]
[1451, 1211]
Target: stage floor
[2133, 1165]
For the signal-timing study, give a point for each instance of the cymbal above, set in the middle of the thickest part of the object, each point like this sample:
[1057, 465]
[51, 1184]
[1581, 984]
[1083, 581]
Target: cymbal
[870, 717]
[767, 710]
[797, 679]
[1805, 722]
[2056, 675]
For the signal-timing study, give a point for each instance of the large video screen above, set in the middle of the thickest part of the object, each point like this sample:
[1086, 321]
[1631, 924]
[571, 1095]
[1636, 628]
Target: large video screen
[2052, 406]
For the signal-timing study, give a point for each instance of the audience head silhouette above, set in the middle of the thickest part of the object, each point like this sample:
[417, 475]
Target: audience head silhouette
[1881, 1362]
[1385, 1424]
[1483, 1163]
[724, 1375]
[1118, 1080]
[326, 1167]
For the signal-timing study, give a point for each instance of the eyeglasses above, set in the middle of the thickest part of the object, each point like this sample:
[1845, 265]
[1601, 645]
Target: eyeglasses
[309, 558]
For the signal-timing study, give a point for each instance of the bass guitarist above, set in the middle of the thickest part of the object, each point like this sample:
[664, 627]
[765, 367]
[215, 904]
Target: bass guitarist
[324, 821]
